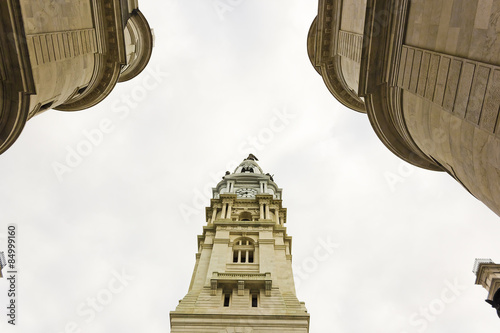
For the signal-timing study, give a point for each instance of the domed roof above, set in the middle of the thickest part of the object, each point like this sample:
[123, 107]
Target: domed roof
[249, 165]
[247, 177]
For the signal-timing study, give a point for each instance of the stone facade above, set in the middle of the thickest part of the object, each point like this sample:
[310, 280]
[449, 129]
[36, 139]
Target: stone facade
[65, 55]
[488, 276]
[242, 279]
[427, 74]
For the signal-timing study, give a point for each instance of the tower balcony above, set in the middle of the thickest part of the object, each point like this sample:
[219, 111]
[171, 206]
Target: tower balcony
[242, 280]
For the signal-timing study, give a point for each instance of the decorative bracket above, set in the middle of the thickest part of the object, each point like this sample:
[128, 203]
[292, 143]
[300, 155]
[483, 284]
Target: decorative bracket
[214, 287]
[260, 280]
[269, 285]
[241, 288]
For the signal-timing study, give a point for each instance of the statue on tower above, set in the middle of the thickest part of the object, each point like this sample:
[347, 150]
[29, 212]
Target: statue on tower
[251, 157]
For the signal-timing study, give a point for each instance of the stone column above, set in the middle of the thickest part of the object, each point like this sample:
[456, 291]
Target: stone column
[214, 214]
[223, 214]
[228, 213]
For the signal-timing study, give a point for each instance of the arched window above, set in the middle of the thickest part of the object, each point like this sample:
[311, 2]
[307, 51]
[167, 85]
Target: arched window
[247, 169]
[246, 216]
[243, 251]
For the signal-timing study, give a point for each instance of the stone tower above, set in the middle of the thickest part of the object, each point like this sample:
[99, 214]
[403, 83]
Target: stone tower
[242, 279]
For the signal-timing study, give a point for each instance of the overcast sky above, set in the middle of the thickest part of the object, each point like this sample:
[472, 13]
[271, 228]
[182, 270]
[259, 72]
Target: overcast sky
[115, 215]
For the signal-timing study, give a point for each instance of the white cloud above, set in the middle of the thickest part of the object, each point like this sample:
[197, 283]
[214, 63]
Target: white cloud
[120, 206]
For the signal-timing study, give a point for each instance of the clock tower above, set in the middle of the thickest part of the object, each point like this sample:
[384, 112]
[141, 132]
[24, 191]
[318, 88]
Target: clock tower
[242, 279]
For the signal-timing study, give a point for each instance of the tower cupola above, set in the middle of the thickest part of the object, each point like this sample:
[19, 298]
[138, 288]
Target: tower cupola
[249, 165]
[247, 181]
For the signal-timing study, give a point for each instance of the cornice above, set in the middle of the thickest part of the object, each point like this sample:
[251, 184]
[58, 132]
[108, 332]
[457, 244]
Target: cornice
[16, 66]
[246, 178]
[14, 110]
[230, 223]
[485, 270]
[378, 78]
[238, 318]
[279, 228]
[248, 229]
[145, 46]
[228, 196]
[384, 111]
[16, 77]
[108, 61]
[324, 56]
[215, 203]
[312, 37]
[208, 228]
[245, 202]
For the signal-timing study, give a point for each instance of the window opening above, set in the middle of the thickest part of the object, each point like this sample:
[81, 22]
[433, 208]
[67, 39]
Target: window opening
[246, 216]
[227, 297]
[243, 256]
[254, 301]
[243, 251]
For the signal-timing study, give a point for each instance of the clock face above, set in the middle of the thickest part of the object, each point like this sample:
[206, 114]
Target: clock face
[246, 192]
